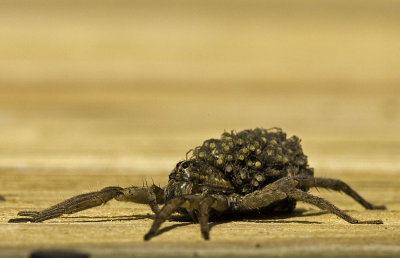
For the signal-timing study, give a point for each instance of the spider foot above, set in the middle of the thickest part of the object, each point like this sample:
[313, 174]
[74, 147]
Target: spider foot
[377, 207]
[370, 222]
[32, 214]
[20, 220]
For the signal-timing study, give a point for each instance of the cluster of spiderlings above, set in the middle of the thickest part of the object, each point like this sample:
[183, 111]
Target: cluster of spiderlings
[253, 158]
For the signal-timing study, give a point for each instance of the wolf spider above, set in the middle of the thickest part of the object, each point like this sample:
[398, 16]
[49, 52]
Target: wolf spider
[242, 171]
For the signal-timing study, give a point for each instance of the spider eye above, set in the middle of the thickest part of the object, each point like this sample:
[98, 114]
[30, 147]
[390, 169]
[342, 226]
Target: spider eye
[185, 165]
[178, 164]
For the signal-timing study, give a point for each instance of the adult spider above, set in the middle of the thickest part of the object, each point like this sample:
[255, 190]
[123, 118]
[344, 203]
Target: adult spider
[250, 170]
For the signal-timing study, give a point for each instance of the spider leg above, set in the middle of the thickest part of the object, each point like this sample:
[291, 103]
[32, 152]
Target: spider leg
[72, 205]
[338, 185]
[28, 213]
[150, 195]
[287, 188]
[196, 204]
[325, 205]
[271, 193]
[165, 212]
[204, 215]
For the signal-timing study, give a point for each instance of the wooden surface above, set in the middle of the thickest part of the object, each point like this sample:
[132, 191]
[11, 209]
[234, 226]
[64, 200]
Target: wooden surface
[98, 93]
[118, 228]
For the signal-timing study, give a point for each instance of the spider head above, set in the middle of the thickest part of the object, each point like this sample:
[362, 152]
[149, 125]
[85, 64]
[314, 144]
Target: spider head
[184, 179]
[184, 171]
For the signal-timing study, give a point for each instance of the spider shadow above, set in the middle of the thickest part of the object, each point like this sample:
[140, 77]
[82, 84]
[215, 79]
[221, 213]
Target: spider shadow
[171, 227]
[251, 216]
[110, 218]
[137, 217]
[242, 217]
[258, 216]
[178, 218]
[267, 217]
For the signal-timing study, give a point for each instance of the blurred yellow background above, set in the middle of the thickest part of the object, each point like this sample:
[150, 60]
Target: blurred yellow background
[132, 85]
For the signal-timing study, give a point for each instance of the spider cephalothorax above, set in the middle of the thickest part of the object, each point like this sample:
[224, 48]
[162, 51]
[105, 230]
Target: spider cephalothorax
[249, 170]
[196, 177]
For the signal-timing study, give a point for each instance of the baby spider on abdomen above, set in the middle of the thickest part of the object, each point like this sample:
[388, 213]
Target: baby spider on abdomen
[241, 171]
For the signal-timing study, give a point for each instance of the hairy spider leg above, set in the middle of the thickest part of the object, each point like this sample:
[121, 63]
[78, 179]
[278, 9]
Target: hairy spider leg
[150, 195]
[325, 205]
[340, 186]
[287, 187]
[204, 215]
[170, 207]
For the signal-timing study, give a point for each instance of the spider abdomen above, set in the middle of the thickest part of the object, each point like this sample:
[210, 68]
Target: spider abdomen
[251, 159]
